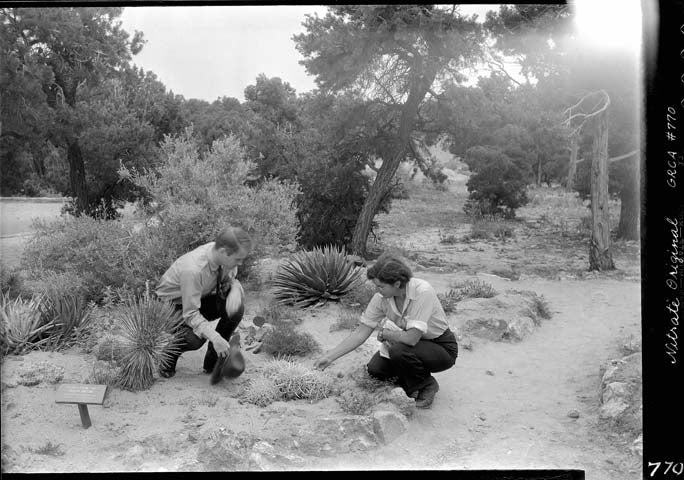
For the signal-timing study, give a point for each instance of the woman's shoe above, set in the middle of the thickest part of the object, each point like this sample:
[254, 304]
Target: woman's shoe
[427, 394]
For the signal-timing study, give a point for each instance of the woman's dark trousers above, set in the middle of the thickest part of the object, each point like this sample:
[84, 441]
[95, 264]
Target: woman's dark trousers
[413, 366]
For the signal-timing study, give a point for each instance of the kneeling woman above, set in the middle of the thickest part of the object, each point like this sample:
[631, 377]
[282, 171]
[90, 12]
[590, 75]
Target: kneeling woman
[420, 343]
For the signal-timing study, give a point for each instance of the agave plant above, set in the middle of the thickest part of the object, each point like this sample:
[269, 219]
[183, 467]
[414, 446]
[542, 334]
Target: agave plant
[149, 338]
[22, 324]
[316, 276]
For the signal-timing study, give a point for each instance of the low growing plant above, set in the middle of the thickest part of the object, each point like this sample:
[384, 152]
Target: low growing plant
[316, 276]
[449, 300]
[475, 289]
[105, 373]
[285, 340]
[49, 448]
[356, 402]
[542, 308]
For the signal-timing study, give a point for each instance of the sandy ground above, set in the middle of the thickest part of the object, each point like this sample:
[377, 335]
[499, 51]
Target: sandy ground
[502, 406]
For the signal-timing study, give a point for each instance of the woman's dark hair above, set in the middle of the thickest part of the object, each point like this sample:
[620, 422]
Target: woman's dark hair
[389, 269]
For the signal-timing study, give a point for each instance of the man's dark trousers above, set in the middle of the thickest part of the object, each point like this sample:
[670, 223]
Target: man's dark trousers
[212, 307]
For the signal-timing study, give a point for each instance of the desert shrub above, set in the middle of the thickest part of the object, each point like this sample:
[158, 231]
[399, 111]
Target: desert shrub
[49, 448]
[285, 340]
[356, 402]
[34, 373]
[22, 325]
[105, 373]
[542, 308]
[497, 186]
[316, 276]
[149, 337]
[202, 193]
[447, 239]
[475, 289]
[345, 321]
[66, 310]
[450, 299]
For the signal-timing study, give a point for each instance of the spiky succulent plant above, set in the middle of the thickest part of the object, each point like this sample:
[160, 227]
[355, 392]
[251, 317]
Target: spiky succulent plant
[315, 276]
[148, 339]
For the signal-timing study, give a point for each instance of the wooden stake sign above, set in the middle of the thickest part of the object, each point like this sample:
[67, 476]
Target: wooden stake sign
[82, 395]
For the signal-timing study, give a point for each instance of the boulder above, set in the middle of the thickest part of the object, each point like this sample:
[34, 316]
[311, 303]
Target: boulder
[388, 425]
[266, 457]
[509, 316]
[334, 435]
[621, 393]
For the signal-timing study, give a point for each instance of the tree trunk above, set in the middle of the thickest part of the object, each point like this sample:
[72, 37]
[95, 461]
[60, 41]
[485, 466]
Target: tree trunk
[77, 175]
[389, 166]
[572, 165]
[539, 170]
[628, 228]
[600, 257]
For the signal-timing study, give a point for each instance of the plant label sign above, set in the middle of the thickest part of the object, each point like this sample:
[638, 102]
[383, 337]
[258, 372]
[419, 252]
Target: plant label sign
[82, 395]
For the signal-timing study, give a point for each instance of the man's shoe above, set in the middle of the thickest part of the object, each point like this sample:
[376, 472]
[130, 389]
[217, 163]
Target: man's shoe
[167, 373]
[427, 394]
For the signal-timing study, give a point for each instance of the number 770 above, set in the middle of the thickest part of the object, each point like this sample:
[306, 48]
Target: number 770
[677, 468]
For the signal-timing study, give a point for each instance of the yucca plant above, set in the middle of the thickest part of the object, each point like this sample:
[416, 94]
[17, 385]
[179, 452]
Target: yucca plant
[22, 324]
[149, 337]
[315, 277]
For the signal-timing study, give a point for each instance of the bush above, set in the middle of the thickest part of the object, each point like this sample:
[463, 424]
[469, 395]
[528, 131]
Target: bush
[11, 281]
[149, 337]
[542, 308]
[315, 277]
[285, 340]
[497, 185]
[198, 195]
[490, 227]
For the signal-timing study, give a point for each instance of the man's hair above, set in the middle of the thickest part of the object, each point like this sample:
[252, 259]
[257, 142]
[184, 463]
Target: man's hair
[389, 269]
[233, 239]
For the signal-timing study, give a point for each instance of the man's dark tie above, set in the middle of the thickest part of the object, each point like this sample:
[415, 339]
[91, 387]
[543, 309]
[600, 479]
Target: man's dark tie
[219, 282]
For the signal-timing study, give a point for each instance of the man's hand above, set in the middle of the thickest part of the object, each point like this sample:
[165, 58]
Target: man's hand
[221, 346]
[322, 363]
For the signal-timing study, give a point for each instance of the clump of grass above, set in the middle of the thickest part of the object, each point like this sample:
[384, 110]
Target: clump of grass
[542, 308]
[285, 379]
[345, 321]
[475, 289]
[49, 448]
[356, 402]
[34, 373]
[285, 340]
[491, 228]
[449, 300]
[149, 338]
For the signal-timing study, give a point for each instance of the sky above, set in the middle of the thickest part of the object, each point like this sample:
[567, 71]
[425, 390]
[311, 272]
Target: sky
[208, 52]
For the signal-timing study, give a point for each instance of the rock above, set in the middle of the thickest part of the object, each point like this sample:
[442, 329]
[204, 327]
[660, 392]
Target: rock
[573, 414]
[334, 435]
[612, 409]
[613, 391]
[396, 400]
[489, 372]
[389, 425]
[264, 456]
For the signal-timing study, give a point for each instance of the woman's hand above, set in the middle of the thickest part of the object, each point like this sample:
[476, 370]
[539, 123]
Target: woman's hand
[323, 362]
[381, 338]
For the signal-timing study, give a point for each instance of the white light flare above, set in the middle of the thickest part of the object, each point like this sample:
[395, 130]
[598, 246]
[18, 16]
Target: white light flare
[609, 24]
